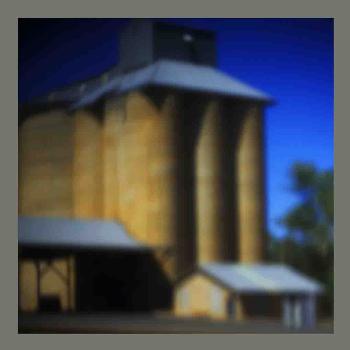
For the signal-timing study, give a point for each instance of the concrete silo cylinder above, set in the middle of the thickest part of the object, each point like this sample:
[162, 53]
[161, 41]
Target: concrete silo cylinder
[165, 189]
[250, 187]
[140, 115]
[112, 132]
[87, 165]
[148, 172]
[210, 187]
[45, 165]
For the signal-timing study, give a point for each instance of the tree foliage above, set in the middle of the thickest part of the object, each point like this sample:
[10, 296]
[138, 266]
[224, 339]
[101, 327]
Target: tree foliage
[308, 244]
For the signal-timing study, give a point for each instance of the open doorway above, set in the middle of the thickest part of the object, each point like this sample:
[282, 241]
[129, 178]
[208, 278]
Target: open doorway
[121, 282]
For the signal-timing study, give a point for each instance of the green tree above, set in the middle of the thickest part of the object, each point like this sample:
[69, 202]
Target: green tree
[311, 221]
[308, 245]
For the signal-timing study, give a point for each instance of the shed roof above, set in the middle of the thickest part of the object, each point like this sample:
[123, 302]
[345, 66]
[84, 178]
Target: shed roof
[40, 232]
[261, 278]
[176, 74]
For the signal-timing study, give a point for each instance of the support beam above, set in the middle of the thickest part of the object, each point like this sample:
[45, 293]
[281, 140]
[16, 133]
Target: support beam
[309, 312]
[73, 277]
[69, 285]
[239, 308]
[19, 289]
[38, 283]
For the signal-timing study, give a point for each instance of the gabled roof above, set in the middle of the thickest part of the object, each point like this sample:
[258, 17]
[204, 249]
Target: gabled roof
[176, 74]
[261, 278]
[43, 232]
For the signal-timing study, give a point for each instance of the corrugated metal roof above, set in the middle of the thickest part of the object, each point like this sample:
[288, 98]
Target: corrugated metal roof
[204, 78]
[69, 233]
[176, 74]
[260, 278]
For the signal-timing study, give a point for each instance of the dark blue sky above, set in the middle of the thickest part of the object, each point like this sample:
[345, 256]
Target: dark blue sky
[291, 59]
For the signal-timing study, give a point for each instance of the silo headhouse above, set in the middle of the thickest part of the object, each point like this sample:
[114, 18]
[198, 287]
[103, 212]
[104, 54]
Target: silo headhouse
[134, 183]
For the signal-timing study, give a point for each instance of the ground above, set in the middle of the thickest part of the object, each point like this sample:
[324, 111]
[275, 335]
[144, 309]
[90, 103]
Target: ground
[112, 323]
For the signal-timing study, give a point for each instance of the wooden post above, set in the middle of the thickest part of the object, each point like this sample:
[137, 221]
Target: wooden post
[38, 282]
[240, 312]
[287, 312]
[69, 284]
[19, 286]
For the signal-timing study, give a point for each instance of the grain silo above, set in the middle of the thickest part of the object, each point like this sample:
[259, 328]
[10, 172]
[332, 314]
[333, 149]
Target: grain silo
[165, 145]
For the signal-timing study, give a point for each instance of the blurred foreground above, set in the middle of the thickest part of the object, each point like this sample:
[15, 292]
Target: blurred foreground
[112, 323]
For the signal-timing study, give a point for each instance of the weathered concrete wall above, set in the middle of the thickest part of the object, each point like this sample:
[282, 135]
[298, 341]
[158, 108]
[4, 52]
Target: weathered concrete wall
[210, 191]
[136, 164]
[144, 149]
[87, 165]
[215, 232]
[164, 181]
[112, 132]
[140, 117]
[216, 182]
[198, 296]
[45, 165]
[250, 187]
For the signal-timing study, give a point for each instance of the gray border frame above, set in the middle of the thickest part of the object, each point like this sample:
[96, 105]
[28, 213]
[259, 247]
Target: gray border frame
[158, 8]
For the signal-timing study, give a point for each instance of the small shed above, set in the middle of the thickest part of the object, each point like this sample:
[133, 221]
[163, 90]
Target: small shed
[248, 291]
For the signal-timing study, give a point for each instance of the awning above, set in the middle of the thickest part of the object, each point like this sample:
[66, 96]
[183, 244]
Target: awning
[40, 232]
[261, 278]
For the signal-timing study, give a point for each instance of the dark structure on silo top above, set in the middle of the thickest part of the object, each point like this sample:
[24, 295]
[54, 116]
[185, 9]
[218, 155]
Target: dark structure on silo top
[164, 144]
